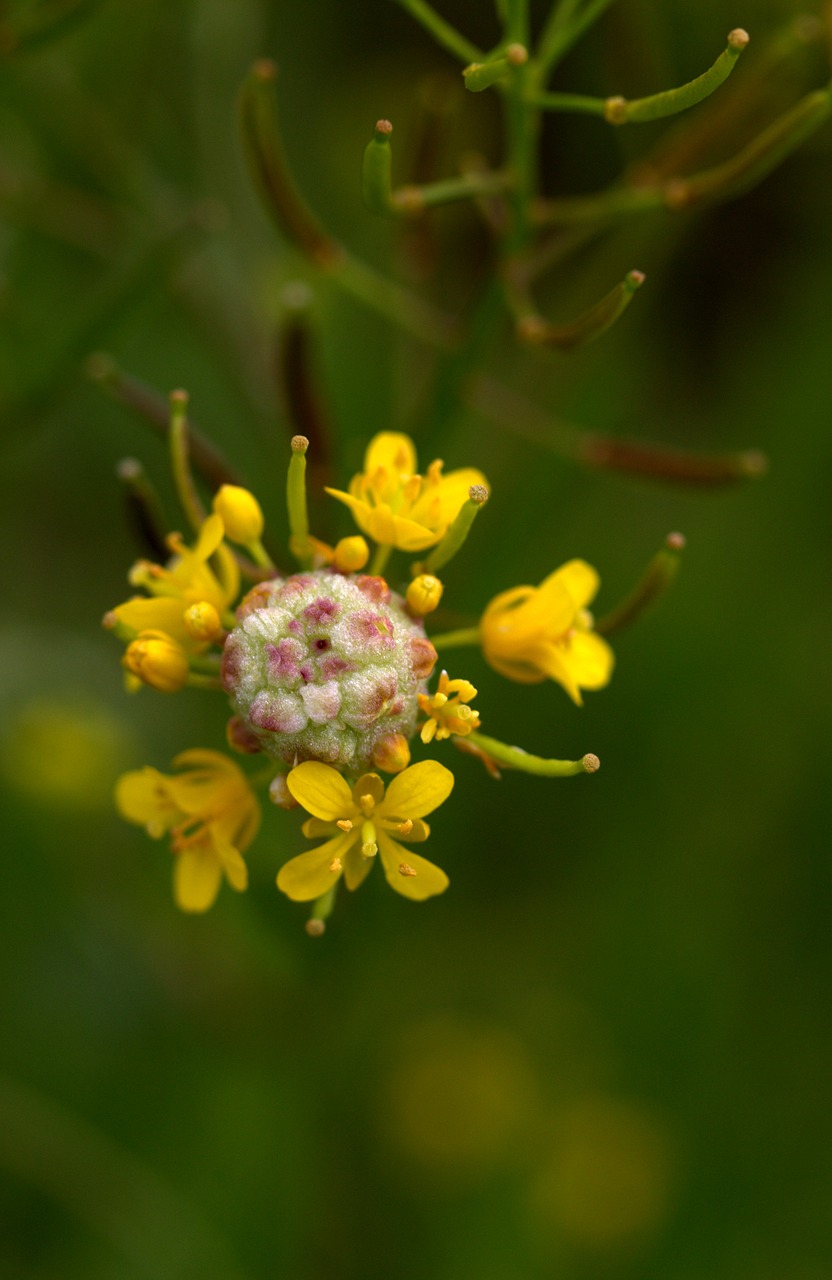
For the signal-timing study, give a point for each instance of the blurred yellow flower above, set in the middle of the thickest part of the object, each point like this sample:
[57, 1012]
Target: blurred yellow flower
[447, 709]
[188, 579]
[240, 513]
[531, 633]
[395, 505]
[158, 660]
[212, 816]
[361, 821]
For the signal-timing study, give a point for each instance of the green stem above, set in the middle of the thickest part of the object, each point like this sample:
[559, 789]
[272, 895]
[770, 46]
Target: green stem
[459, 530]
[413, 200]
[517, 758]
[296, 503]
[379, 561]
[443, 33]
[180, 462]
[197, 681]
[567, 102]
[457, 639]
[395, 303]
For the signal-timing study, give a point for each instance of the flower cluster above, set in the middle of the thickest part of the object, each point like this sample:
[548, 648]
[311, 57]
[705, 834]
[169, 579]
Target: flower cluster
[327, 673]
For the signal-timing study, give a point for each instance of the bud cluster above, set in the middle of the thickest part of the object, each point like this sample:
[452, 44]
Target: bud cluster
[324, 667]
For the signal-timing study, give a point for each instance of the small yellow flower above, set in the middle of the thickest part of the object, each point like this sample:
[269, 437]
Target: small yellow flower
[362, 821]
[533, 633]
[424, 593]
[447, 710]
[212, 816]
[186, 580]
[398, 507]
[240, 513]
[158, 660]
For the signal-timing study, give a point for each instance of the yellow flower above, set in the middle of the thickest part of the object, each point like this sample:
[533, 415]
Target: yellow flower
[212, 816]
[186, 580]
[531, 633]
[396, 506]
[447, 711]
[424, 593]
[361, 821]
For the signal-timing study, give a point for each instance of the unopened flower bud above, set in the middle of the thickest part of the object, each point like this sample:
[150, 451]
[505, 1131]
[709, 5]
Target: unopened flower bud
[391, 753]
[157, 660]
[280, 794]
[241, 737]
[351, 554]
[424, 593]
[240, 512]
[202, 621]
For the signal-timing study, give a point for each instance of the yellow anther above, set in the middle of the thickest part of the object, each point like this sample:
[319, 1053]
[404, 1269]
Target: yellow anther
[351, 554]
[344, 824]
[369, 849]
[335, 865]
[202, 621]
[158, 660]
[366, 804]
[240, 513]
[405, 828]
[405, 869]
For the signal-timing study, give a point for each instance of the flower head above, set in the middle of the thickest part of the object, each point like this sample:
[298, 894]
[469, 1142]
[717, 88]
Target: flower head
[323, 666]
[448, 711]
[212, 816]
[533, 633]
[395, 505]
[362, 821]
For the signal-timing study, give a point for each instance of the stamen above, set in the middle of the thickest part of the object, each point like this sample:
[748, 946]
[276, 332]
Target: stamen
[335, 865]
[405, 869]
[369, 849]
[366, 805]
[344, 824]
[405, 828]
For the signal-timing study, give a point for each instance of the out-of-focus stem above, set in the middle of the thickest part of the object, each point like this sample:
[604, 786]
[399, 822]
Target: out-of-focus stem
[443, 33]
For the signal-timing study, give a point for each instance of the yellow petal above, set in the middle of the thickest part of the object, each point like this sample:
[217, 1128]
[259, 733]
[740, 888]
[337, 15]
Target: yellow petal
[551, 610]
[210, 536]
[369, 784]
[392, 450]
[410, 535]
[356, 866]
[439, 504]
[142, 797]
[418, 832]
[590, 660]
[579, 579]
[315, 828]
[236, 871]
[520, 672]
[196, 877]
[307, 876]
[417, 791]
[159, 613]
[554, 661]
[361, 511]
[321, 790]
[428, 880]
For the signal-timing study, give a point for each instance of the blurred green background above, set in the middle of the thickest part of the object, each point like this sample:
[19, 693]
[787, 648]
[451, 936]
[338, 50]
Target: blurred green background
[605, 1052]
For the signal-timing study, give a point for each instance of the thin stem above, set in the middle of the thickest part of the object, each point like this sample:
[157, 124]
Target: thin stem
[456, 639]
[443, 33]
[180, 462]
[198, 681]
[567, 102]
[296, 503]
[517, 758]
[413, 200]
[395, 303]
[379, 562]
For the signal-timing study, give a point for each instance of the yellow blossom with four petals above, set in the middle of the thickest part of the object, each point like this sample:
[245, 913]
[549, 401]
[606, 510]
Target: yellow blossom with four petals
[364, 821]
[188, 579]
[530, 634]
[212, 816]
[395, 505]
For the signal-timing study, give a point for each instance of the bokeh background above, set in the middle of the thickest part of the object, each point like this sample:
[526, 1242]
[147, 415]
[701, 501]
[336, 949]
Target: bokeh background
[605, 1052]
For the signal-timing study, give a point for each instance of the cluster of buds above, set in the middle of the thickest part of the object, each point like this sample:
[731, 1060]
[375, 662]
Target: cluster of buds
[327, 671]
